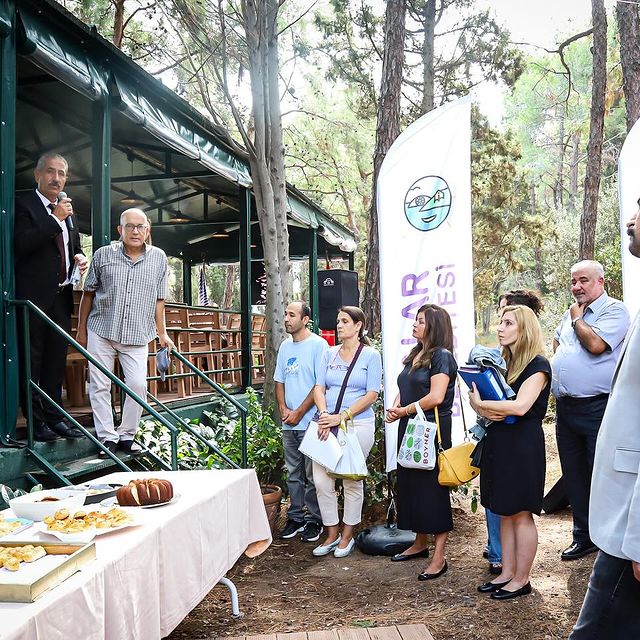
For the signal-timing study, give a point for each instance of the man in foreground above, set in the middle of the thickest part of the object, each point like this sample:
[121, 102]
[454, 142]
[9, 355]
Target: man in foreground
[586, 345]
[121, 311]
[296, 368]
[611, 608]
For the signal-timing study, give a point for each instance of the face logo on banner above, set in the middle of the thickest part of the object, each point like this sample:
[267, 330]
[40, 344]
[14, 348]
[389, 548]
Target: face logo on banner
[427, 203]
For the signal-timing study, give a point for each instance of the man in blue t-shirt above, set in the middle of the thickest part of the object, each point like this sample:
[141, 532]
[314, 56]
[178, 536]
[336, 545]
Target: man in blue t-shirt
[299, 359]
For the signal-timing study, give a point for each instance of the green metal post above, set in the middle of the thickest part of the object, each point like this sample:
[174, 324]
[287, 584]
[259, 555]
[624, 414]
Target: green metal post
[101, 174]
[187, 295]
[313, 278]
[245, 284]
[9, 371]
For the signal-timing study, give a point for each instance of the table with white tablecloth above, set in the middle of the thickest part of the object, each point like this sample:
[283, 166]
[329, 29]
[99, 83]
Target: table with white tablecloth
[147, 578]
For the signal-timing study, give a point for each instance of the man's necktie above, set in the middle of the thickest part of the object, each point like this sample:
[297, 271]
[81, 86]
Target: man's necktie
[61, 249]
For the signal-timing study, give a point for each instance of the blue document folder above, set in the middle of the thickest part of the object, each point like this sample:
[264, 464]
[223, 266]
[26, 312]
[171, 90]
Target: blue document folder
[488, 386]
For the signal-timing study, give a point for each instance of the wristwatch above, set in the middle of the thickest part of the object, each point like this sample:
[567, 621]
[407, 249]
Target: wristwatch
[573, 323]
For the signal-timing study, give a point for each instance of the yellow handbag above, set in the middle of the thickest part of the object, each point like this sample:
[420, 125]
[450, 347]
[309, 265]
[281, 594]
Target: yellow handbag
[454, 465]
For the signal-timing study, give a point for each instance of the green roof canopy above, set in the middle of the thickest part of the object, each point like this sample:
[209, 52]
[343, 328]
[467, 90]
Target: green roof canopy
[187, 171]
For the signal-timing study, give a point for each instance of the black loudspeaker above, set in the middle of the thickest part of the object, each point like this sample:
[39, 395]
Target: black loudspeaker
[336, 288]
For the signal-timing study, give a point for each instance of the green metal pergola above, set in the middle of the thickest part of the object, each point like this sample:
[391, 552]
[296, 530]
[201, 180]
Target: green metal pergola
[125, 135]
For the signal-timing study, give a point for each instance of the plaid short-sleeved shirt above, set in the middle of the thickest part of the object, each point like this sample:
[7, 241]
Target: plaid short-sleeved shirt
[126, 293]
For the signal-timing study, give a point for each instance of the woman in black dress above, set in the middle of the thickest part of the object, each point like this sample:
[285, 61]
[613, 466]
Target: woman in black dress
[513, 459]
[428, 379]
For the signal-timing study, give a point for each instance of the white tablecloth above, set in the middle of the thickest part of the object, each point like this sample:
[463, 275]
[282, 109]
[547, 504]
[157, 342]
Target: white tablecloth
[146, 579]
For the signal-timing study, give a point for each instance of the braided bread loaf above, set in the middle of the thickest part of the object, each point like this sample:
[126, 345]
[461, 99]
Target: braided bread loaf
[144, 492]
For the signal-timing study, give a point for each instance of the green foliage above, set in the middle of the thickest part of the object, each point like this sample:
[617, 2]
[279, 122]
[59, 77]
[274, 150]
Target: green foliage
[7, 493]
[502, 224]
[222, 428]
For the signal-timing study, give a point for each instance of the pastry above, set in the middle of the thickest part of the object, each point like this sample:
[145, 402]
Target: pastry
[144, 492]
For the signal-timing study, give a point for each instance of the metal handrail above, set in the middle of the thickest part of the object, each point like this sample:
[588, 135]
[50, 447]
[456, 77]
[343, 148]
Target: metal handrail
[241, 409]
[27, 307]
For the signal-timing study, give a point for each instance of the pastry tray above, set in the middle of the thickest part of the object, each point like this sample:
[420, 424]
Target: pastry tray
[52, 570]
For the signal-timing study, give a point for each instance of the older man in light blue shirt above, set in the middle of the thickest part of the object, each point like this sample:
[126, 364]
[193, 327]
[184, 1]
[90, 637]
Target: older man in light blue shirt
[587, 345]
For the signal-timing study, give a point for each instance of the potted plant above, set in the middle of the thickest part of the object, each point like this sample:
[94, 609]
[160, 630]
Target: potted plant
[265, 453]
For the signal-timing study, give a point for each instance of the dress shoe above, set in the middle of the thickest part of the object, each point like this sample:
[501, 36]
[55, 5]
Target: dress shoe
[578, 550]
[42, 433]
[112, 446]
[432, 576]
[501, 594]
[326, 549]
[490, 587]
[130, 447]
[495, 568]
[401, 557]
[343, 553]
[64, 430]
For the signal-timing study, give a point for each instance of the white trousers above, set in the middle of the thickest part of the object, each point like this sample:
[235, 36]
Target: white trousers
[353, 489]
[133, 359]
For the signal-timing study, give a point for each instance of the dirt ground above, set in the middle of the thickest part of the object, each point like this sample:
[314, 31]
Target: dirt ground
[286, 589]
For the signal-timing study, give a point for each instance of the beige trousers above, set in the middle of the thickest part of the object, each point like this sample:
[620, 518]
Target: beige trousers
[353, 489]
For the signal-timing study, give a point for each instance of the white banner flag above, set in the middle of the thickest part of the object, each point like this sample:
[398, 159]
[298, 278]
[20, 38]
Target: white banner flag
[628, 195]
[424, 224]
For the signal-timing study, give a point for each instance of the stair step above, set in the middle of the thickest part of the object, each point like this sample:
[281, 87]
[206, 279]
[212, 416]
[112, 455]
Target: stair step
[87, 468]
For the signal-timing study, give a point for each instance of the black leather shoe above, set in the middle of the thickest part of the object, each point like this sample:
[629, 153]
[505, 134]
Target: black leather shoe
[578, 550]
[432, 576]
[501, 594]
[401, 557]
[42, 433]
[495, 568]
[112, 446]
[64, 430]
[490, 587]
[130, 447]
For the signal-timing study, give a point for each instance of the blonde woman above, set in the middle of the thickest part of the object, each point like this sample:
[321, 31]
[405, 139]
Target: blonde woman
[361, 391]
[513, 460]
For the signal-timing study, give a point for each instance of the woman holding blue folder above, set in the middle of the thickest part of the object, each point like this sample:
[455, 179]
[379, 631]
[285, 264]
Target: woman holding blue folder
[513, 459]
[428, 379]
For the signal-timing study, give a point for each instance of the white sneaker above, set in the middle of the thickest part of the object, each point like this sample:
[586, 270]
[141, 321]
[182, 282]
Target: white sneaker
[326, 549]
[343, 553]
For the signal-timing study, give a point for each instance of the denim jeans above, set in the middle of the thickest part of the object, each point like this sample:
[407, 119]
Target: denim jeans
[493, 531]
[611, 607]
[302, 491]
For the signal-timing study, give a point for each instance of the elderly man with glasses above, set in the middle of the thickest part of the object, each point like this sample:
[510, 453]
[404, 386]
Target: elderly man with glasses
[121, 311]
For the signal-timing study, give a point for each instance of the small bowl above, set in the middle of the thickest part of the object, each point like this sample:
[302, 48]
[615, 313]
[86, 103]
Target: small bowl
[30, 506]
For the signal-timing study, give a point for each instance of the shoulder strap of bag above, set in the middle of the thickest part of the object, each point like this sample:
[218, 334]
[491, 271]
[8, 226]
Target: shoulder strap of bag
[435, 411]
[343, 388]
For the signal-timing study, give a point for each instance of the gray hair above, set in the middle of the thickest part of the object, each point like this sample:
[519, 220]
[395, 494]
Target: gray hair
[593, 265]
[53, 156]
[134, 210]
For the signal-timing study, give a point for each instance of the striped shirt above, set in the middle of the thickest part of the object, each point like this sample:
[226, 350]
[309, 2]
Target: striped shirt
[126, 293]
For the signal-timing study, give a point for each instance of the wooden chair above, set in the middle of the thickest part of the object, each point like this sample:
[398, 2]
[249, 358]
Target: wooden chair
[75, 374]
[258, 346]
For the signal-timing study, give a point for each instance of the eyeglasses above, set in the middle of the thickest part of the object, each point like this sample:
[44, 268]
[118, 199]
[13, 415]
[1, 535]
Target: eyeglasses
[138, 227]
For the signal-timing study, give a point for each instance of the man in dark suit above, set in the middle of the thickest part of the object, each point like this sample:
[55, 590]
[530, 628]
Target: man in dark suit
[47, 248]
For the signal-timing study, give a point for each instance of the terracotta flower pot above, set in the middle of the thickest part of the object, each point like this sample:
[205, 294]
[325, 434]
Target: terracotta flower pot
[272, 497]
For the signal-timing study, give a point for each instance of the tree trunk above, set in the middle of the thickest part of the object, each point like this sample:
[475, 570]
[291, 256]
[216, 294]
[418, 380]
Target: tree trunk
[596, 127]
[628, 17]
[537, 252]
[229, 286]
[429, 13]
[387, 130]
[573, 170]
[267, 170]
[118, 22]
[559, 187]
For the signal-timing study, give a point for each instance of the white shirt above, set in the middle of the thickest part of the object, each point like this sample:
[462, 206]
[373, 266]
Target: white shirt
[65, 232]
